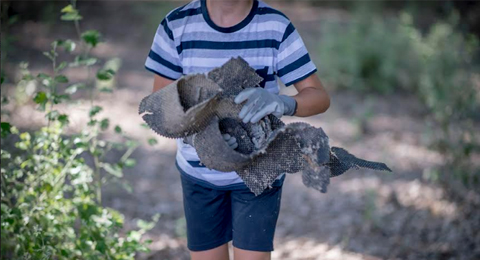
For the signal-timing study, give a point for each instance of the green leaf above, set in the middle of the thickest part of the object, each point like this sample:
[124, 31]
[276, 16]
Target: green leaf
[73, 88]
[28, 77]
[104, 124]
[118, 129]
[144, 125]
[43, 76]
[52, 115]
[127, 187]
[130, 162]
[69, 45]
[68, 9]
[41, 98]
[57, 99]
[114, 170]
[91, 37]
[105, 74]
[72, 16]
[144, 225]
[131, 143]
[113, 64]
[2, 79]
[83, 61]
[63, 119]
[55, 44]
[45, 79]
[61, 66]
[152, 141]
[61, 79]
[51, 55]
[148, 225]
[6, 130]
[94, 110]
[25, 136]
[46, 53]
[106, 90]
[117, 217]
[102, 143]
[23, 65]
[92, 122]
[86, 210]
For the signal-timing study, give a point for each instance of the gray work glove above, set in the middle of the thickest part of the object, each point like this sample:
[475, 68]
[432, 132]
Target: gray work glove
[231, 141]
[262, 103]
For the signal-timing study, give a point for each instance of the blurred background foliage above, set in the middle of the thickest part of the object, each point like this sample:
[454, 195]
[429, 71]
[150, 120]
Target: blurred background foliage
[51, 181]
[391, 53]
[424, 50]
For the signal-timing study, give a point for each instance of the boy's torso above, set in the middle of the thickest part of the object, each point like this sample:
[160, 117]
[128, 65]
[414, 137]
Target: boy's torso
[202, 47]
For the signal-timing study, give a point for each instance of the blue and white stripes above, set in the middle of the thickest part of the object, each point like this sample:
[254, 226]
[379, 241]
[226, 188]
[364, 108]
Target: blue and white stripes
[187, 41]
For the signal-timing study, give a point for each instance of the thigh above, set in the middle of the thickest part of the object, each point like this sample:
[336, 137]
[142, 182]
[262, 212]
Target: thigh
[208, 216]
[254, 218]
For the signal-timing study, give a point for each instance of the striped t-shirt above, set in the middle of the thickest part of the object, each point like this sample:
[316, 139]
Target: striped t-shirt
[187, 41]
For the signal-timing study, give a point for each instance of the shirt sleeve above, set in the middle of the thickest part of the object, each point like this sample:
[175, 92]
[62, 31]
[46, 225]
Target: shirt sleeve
[293, 61]
[163, 58]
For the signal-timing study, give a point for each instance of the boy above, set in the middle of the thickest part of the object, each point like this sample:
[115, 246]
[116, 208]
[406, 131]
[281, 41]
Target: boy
[196, 38]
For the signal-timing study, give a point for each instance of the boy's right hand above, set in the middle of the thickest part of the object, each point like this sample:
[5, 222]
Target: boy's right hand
[231, 141]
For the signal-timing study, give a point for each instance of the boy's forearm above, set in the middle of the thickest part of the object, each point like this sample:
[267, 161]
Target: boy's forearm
[311, 101]
[312, 98]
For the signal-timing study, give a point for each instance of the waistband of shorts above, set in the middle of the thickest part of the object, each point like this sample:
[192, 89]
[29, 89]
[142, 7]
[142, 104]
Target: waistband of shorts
[235, 186]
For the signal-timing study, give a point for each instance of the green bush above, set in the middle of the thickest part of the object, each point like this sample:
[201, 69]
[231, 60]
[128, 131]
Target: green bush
[367, 54]
[372, 53]
[50, 208]
[376, 54]
[447, 87]
[51, 205]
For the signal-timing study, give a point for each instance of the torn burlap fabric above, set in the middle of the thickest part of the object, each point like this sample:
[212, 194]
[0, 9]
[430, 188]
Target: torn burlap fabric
[200, 108]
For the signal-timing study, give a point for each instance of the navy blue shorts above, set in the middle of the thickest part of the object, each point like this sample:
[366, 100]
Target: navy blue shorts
[216, 216]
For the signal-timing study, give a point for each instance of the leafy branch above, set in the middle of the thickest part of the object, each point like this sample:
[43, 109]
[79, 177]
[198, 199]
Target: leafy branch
[51, 202]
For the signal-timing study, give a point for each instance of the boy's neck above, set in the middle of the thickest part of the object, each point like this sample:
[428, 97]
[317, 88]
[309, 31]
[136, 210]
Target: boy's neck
[227, 13]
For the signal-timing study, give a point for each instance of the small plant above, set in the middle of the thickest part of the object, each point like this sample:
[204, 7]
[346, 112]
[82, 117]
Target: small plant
[51, 198]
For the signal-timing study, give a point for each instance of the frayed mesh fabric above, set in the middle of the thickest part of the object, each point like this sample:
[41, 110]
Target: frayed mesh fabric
[200, 108]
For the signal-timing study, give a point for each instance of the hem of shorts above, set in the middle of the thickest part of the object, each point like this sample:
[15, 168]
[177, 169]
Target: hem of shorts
[208, 246]
[253, 248]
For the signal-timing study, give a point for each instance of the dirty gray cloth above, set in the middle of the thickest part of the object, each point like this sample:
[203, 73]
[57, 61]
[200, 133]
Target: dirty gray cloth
[201, 109]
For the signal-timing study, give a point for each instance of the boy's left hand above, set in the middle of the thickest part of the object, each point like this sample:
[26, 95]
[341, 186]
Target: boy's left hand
[262, 103]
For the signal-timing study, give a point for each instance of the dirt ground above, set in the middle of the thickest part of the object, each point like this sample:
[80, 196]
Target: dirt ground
[364, 215]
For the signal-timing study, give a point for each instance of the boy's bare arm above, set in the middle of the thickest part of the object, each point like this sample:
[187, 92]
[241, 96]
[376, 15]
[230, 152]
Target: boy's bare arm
[160, 82]
[312, 98]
